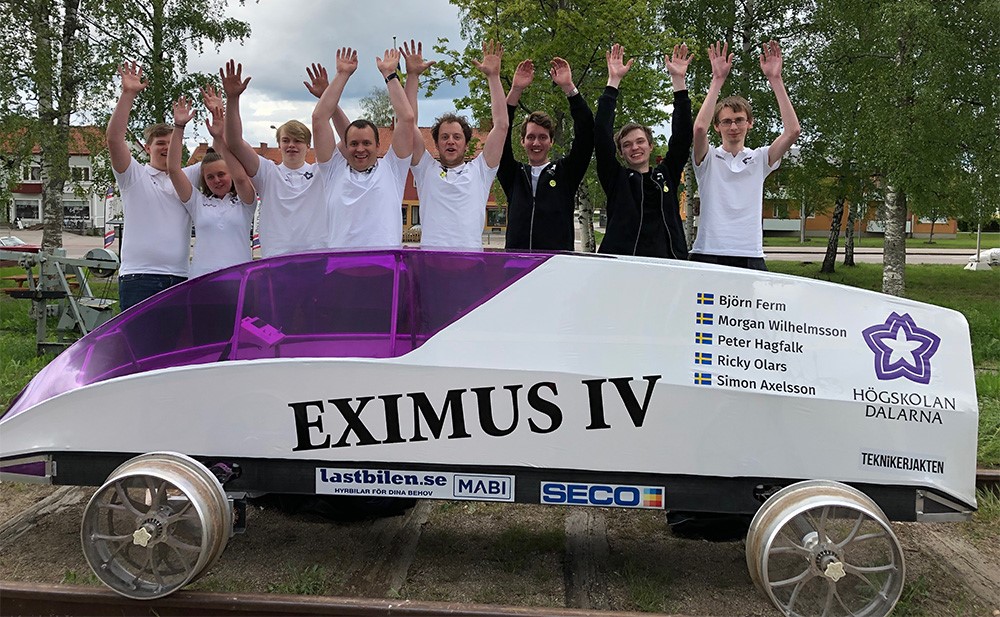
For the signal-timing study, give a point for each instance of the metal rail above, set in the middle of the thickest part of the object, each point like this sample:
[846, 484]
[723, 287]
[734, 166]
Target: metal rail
[41, 599]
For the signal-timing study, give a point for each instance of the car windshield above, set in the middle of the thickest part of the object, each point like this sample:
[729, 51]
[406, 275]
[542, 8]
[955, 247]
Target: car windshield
[377, 304]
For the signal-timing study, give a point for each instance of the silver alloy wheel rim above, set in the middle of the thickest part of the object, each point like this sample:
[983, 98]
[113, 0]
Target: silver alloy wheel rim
[824, 548]
[155, 525]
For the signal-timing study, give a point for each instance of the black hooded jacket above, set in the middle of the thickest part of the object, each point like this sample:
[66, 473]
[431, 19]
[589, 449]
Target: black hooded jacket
[544, 220]
[623, 186]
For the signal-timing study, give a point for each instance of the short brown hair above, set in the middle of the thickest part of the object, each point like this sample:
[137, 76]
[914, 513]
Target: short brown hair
[361, 123]
[628, 128]
[159, 129]
[449, 117]
[735, 103]
[295, 129]
[540, 118]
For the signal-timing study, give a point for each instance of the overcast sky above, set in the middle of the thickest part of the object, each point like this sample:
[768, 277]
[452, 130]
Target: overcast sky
[288, 35]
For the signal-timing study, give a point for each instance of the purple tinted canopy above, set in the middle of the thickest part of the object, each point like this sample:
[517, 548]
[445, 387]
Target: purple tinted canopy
[377, 304]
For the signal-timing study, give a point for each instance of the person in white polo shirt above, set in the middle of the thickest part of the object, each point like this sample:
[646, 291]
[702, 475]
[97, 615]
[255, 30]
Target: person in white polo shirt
[731, 176]
[156, 239]
[293, 215]
[453, 192]
[365, 193]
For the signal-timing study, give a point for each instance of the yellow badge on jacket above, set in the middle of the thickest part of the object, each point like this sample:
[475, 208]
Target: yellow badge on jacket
[552, 183]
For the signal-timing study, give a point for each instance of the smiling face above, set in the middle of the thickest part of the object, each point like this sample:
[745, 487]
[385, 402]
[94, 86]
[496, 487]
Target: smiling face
[157, 148]
[732, 126]
[451, 144]
[362, 149]
[293, 150]
[635, 148]
[537, 142]
[217, 178]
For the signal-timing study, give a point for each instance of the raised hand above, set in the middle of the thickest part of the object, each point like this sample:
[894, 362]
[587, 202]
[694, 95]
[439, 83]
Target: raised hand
[318, 79]
[413, 54]
[347, 61]
[492, 52]
[232, 79]
[561, 73]
[617, 68]
[677, 63]
[721, 59]
[216, 123]
[524, 74]
[770, 60]
[211, 97]
[183, 111]
[132, 80]
[387, 64]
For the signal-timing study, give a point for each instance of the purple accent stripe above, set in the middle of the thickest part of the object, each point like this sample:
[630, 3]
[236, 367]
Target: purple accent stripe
[36, 468]
[371, 304]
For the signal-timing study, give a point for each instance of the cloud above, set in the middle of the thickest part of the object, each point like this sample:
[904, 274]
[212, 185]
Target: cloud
[288, 35]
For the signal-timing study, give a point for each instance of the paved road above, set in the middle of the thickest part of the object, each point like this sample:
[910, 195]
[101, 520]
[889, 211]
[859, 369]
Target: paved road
[77, 246]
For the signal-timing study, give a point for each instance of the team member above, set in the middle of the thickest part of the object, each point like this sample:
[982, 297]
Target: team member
[643, 209]
[453, 192]
[365, 194]
[731, 176]
[223, 208]
[540, 193]
[293, 214]
[157, 232]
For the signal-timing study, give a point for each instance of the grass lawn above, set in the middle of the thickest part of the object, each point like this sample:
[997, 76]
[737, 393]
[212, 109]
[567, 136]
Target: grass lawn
[962, 240]
[975, 294]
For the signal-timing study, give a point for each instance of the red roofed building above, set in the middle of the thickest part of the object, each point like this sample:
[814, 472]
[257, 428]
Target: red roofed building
[496, 215]
[78, 212]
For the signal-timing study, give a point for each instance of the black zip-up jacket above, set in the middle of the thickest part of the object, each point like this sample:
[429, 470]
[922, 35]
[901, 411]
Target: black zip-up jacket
[623, 186]
[544, 221]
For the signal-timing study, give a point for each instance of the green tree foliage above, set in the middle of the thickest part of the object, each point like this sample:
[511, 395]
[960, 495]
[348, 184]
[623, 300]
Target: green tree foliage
[377, 107]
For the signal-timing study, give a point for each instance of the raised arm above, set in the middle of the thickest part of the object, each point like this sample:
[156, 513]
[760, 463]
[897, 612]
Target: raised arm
[216, 128]
[323, 136]
[413, 54]
[582, 149]
[523, 76]
[234, 85]
[679, 146]
[318, 82]
[402, 138]
[183, 113]
[132, 84]
[604, 122]
[722, 62]
[490, 66]
[770, 64]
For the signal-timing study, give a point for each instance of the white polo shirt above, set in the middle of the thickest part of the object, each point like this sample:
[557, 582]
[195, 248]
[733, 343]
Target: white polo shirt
[365, 208]
[293, 215]
[453, 202]
[222, 231]
[156, 237]
[731, 189]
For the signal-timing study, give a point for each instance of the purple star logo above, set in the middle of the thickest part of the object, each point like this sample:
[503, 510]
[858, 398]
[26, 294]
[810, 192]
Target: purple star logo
[902, 349]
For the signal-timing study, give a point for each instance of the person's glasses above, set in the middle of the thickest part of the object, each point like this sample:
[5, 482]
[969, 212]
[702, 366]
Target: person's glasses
[728, 122]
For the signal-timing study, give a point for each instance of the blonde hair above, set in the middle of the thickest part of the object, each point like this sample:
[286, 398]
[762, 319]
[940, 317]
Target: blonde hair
[294, 129]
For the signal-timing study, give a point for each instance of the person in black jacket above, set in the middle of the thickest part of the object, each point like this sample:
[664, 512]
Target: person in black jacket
[643, 209]
[540, 193]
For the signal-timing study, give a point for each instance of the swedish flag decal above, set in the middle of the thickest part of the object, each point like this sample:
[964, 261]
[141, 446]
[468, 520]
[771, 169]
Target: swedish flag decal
[703, 379]
[702, 358]
[705, 319]
[706, 298]
[703, 338]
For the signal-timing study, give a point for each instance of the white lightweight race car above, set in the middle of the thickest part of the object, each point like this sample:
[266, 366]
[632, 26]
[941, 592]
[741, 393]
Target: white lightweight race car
[568, 379]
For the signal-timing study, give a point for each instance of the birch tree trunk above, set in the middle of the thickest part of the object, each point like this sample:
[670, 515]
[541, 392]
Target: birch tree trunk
[830, 260]
[585, 219]
[894, 247]
[689, 204]
[852, 216]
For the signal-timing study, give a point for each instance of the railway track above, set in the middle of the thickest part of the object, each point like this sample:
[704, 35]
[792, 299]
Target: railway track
[22, 598]
[39, 599]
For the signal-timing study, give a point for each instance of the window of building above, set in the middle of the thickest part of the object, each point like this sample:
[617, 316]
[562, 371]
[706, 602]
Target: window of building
[31, 173]
[80, 174]
[75, 213]
[27, 209]
[414, 215]
[404, 215]
[496, 217]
